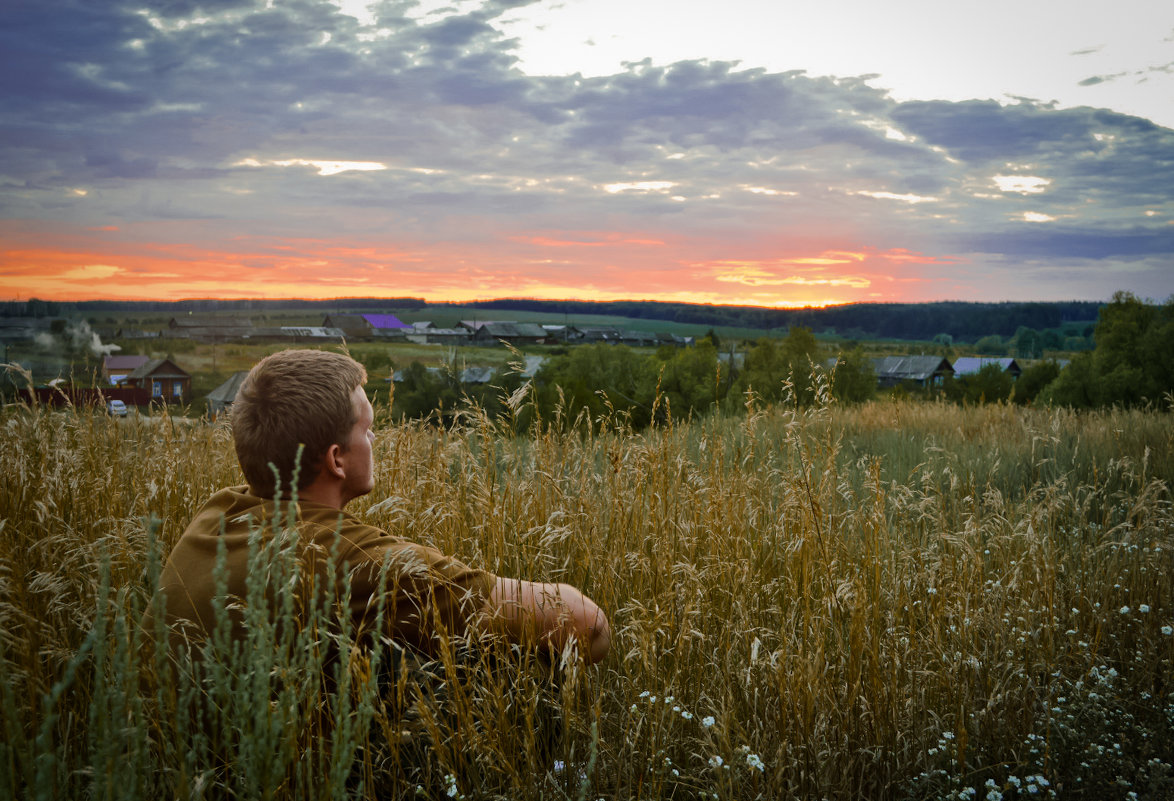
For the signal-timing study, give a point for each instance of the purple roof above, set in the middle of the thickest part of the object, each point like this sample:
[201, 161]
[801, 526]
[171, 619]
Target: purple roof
[384, 321]
[129, 362]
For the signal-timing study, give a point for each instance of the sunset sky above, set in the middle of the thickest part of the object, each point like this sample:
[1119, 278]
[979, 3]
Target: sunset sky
[764, 152]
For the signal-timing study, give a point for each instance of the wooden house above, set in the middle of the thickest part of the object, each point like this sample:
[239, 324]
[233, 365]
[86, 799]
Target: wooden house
[221, 399]
[969, 365]
[164, 380]
[115, 369]
[925, 371]
[514, 333]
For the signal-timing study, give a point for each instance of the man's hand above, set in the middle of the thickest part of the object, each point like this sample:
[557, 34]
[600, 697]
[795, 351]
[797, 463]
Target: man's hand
[550, 614]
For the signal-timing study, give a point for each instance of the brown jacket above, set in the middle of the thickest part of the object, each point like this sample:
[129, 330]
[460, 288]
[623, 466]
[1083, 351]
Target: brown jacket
[425, 590]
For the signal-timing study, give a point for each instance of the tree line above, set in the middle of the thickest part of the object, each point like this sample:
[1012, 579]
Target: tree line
[1130, 365]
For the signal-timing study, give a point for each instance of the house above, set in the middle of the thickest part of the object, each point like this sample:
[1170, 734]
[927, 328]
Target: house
[439, 336]
[927, 371]
[164, 379]
[368, 326]
[25, 329]
[353, 326]
[115, 369]
[385, 322]
[562, 333]
[611, 336]
[209, 328]
[639, 339]
[513, 333]
[221, 399]
[969, 365]
[135, 333]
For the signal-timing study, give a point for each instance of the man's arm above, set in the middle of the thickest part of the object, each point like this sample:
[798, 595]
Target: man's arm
[552, 614]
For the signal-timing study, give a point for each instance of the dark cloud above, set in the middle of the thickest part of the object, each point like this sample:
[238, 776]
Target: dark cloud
[160, 105]
[1035, 241]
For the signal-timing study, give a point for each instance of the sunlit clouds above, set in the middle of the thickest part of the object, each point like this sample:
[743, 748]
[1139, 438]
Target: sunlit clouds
[259, 148]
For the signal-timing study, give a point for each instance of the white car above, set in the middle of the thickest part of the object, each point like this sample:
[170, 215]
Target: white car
[116, 408]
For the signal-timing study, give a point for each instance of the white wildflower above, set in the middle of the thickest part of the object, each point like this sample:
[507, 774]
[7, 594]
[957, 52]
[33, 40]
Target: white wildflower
[708, 720]
[1125, 610]
[1167, 630]
[716, 761]
[755, 762]
[1144, 608]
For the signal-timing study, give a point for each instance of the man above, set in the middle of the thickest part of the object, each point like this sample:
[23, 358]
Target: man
[302, 419]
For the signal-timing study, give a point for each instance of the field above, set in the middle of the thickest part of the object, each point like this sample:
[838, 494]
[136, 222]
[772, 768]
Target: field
[894, 600]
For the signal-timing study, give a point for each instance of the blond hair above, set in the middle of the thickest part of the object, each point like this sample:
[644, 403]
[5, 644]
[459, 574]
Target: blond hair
[289, 399]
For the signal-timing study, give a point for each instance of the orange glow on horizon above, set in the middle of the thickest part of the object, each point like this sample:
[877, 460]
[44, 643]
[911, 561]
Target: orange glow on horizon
[113, 264]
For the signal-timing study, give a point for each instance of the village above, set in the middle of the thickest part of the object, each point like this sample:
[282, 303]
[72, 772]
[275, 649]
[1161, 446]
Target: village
[132, 381]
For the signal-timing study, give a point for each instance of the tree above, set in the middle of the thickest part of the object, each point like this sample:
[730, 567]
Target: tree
[991, 345]
[1130, 364]
[1033, 381]
[692, 380]
[599, 379]
[854, 379]
[1028, 343]
[770, 363]
[989, 385]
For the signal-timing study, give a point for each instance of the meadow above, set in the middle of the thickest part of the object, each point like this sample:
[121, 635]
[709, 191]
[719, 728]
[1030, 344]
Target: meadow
[901, 599]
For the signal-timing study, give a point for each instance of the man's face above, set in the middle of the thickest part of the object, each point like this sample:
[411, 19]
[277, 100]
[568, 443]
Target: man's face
[358, 459]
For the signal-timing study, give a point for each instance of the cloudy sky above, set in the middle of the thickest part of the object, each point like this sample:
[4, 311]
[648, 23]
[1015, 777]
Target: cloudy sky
[766, 152]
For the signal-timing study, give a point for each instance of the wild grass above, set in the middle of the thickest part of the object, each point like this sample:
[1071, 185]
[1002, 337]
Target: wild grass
[896, 600]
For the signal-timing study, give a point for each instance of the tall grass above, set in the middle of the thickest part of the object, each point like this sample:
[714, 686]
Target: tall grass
[888, 601]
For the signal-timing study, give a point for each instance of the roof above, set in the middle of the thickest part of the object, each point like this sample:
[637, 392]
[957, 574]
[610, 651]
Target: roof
[916, 368]
[969, 365]
[226, 392]
[348, 322]
[504, 330]
[210, 321]
[312, 331]
[477, 375]
[155, 369]
[384, 321]
[124, 363]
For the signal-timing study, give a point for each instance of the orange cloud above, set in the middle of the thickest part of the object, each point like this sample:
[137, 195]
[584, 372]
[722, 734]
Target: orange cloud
[138, 262]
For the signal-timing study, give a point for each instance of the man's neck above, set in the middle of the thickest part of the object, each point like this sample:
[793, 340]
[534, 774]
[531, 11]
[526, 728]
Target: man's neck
[325, 494]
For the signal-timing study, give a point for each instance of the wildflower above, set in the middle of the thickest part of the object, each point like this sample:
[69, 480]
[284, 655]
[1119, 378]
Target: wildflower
[1144, 608]
[632, 709]
[644, 694]
[1015, 781]
[947, 735]
[716, 761]
[708, 721]
[1167, 630]
[755, 762]
[686, 714]
[451, 782]
[1125, 610]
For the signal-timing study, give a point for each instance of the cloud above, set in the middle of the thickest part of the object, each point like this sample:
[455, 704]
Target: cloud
[172, 119]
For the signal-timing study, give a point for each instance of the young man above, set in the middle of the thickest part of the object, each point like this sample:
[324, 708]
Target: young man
[302, 414]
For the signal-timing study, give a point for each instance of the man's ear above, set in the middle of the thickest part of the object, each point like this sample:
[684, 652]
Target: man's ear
[332, 462]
